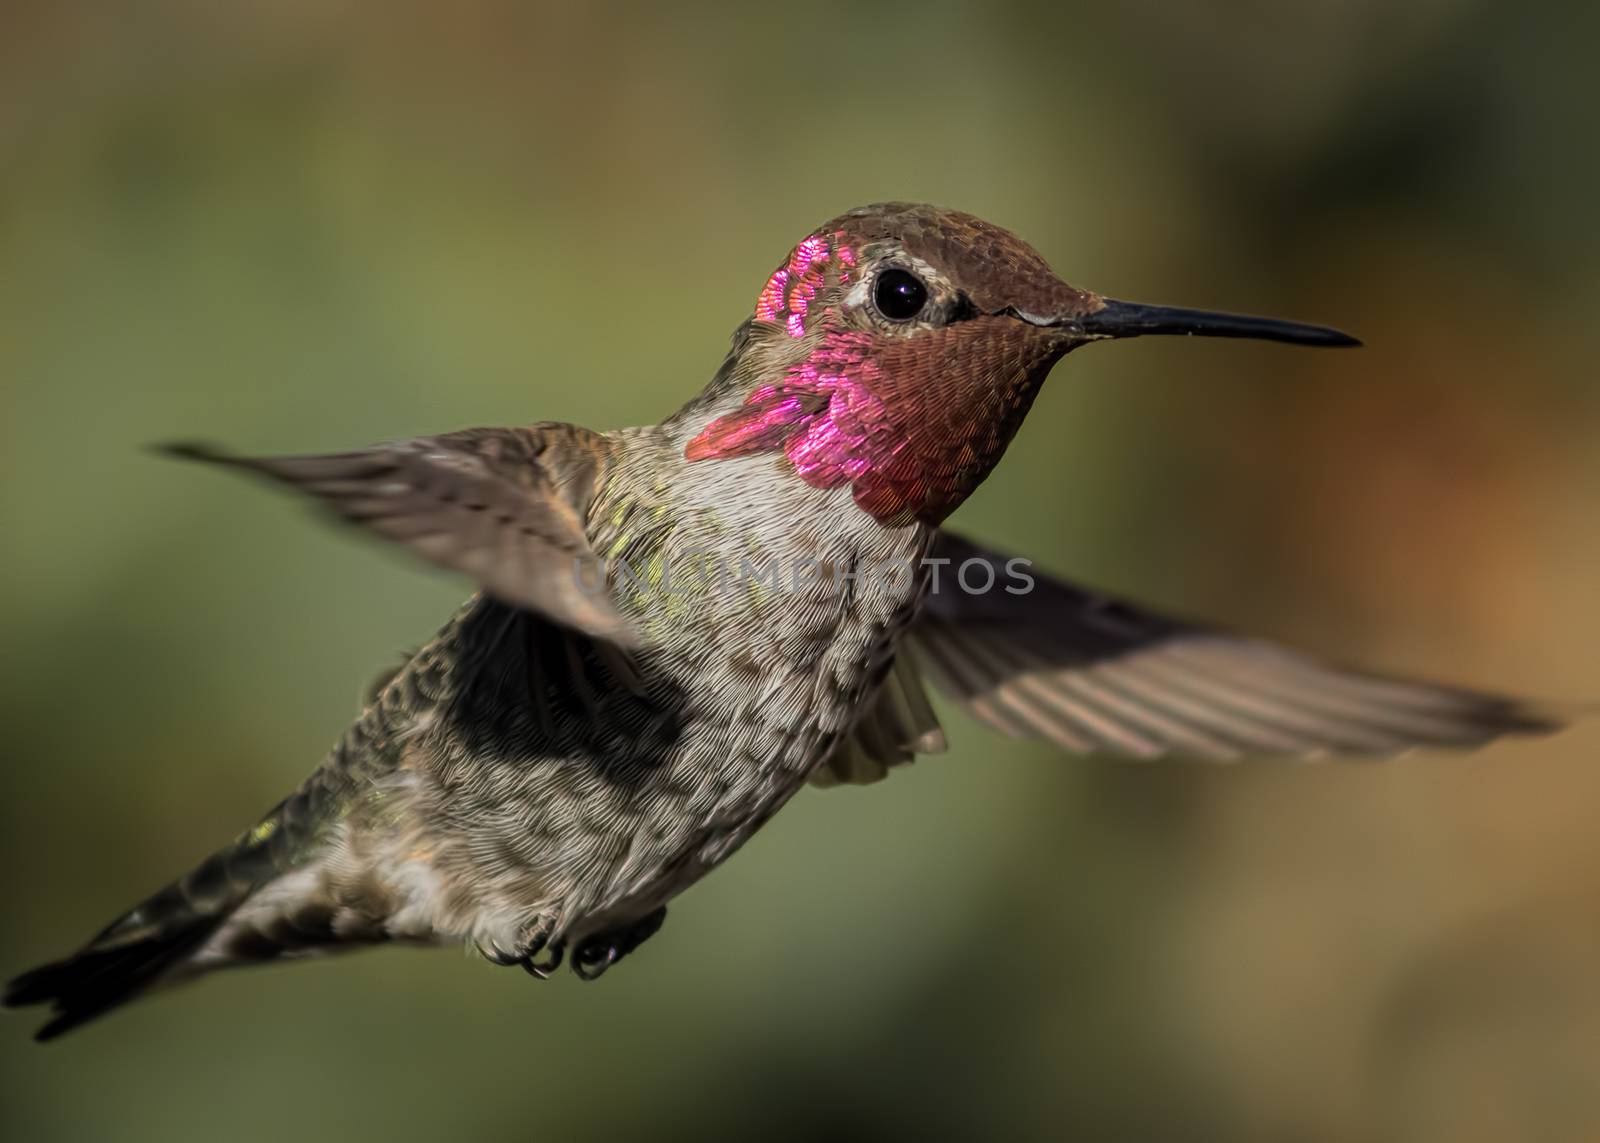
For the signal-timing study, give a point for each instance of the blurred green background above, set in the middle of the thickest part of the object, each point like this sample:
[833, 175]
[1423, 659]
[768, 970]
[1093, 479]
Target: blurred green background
[308, 225]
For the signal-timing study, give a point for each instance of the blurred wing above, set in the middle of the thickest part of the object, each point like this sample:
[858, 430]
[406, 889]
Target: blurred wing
[1095, 675]
[503, 506]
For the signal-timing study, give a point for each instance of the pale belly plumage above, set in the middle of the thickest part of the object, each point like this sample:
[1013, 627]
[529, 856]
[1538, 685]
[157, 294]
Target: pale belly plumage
[530, 782]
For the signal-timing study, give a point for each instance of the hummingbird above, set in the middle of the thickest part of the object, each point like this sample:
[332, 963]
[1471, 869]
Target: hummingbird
[676, 627]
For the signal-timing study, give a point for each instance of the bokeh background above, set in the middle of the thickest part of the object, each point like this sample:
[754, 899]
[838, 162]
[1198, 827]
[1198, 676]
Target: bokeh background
[305, 224]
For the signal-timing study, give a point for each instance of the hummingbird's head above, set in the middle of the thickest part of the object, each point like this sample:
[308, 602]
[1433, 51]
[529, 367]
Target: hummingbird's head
[898, 348]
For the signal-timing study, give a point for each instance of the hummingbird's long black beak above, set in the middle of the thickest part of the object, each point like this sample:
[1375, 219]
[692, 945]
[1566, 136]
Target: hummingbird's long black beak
[1131, 319]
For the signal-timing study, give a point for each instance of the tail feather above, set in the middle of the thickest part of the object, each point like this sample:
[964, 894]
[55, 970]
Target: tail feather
[97, 980]
[153, 942]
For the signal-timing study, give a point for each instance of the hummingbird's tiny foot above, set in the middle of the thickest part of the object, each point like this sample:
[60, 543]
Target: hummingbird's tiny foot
[599, 952]
[542, 969]
[534, 940]
[593, 958]
[499, 956]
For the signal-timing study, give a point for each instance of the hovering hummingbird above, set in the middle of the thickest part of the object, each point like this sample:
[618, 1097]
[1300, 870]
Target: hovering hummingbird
[597, 728]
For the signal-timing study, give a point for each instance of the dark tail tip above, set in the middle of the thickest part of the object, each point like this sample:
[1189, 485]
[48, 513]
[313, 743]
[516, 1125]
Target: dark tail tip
[191, 450]
[97, 980]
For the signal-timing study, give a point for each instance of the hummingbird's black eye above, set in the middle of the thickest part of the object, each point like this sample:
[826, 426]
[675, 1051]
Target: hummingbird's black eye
[899, 295]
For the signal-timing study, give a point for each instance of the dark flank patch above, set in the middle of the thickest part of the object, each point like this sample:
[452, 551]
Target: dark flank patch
[538, 692]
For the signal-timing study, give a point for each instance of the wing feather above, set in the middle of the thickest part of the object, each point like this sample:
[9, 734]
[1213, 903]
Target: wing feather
[1094, 674]
[504, 507]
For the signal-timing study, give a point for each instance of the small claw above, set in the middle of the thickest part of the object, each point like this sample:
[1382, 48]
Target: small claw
[593, 959]
[539, 942]
[599, 952]
[542, 969]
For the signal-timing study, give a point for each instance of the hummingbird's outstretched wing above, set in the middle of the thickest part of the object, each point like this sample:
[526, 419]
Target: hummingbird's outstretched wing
[1095, 675]
[504, 506]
